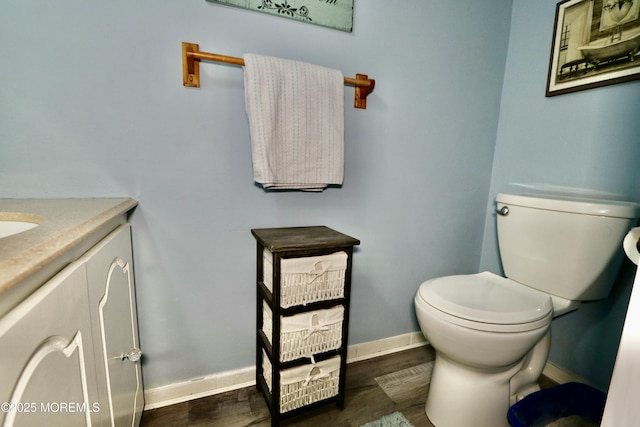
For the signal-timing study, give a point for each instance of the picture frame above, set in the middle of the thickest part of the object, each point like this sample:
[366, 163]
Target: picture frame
[336, 14]
[595, 43]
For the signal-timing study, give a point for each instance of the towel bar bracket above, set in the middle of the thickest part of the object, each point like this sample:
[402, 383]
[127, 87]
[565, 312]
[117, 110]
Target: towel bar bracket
[361, 92]
[191, 57]
[190, 66]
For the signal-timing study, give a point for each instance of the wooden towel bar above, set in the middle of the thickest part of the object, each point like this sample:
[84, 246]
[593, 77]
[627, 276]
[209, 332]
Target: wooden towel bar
[191, 57]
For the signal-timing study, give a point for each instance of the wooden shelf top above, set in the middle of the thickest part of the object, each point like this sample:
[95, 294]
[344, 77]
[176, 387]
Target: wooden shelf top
[302, 238]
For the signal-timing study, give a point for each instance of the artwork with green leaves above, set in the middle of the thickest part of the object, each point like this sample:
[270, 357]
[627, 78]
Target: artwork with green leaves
[336, 14]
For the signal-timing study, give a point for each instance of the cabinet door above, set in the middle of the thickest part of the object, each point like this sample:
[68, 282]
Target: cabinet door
[47, 375]
[115, 330]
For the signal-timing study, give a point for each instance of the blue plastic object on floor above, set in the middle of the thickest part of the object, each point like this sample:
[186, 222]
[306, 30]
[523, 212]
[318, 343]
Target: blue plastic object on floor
[546, 406]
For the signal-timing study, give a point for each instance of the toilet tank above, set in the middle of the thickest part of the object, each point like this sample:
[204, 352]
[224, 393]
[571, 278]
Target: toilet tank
[563, 245]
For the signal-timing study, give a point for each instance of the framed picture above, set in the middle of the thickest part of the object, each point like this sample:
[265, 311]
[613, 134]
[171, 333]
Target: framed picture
[595, 43]
[337, 14]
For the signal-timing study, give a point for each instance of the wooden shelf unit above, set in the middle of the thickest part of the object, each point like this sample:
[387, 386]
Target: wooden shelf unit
[285, 244]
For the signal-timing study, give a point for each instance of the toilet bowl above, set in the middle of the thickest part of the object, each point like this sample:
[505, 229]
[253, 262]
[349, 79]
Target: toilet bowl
[485, 330]
[491, 334]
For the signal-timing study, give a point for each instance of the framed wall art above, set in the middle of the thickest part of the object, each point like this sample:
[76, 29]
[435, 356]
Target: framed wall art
[336, 14]
[595, 43]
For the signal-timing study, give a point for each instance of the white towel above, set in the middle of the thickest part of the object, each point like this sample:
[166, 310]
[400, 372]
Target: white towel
[296, 121]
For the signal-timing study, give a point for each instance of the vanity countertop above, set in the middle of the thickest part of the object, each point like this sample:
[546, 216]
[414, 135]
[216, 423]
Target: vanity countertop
[67, 229]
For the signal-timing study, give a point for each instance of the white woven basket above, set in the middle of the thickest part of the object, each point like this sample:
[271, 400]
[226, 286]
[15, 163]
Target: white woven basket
[306, 384]
[306, 334]
[308, 279]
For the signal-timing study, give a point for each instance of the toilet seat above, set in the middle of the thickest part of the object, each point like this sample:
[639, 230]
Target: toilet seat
[487, 302]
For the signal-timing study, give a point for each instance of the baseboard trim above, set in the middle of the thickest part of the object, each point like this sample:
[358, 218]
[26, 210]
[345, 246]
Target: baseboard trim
[245, 377]
[560, 375]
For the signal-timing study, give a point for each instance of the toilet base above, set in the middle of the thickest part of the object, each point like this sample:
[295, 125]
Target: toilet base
[465, 396]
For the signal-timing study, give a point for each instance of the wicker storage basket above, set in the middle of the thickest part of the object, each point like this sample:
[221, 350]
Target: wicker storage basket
[306, 384]
[306, 334]
[307, 279]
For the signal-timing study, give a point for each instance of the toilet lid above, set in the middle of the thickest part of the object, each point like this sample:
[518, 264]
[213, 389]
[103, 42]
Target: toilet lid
[486, 298]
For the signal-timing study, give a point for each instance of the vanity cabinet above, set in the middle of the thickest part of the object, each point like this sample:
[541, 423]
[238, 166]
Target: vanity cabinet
[47, 359]
[303, 294]
[114, 326]
[69, 352]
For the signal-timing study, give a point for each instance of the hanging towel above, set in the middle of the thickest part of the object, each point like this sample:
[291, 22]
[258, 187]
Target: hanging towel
[296, 121]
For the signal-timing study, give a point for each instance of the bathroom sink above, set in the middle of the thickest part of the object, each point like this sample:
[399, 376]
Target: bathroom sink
[11, 224]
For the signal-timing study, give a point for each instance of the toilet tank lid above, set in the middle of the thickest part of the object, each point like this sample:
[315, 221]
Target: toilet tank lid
[573, 204]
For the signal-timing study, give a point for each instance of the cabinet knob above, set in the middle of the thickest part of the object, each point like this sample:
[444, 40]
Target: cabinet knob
[133, 355]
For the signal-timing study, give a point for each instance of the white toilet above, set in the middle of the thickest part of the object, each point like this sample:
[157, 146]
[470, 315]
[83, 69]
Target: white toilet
[491, 334]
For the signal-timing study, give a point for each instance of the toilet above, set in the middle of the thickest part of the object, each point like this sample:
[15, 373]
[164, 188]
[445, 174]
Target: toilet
[492, 334]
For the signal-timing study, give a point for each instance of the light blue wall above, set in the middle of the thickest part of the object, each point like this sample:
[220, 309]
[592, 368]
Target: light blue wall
[587, 140]
[92, 105]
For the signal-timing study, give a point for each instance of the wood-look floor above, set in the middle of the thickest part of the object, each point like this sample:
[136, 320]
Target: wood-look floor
[365, 401]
